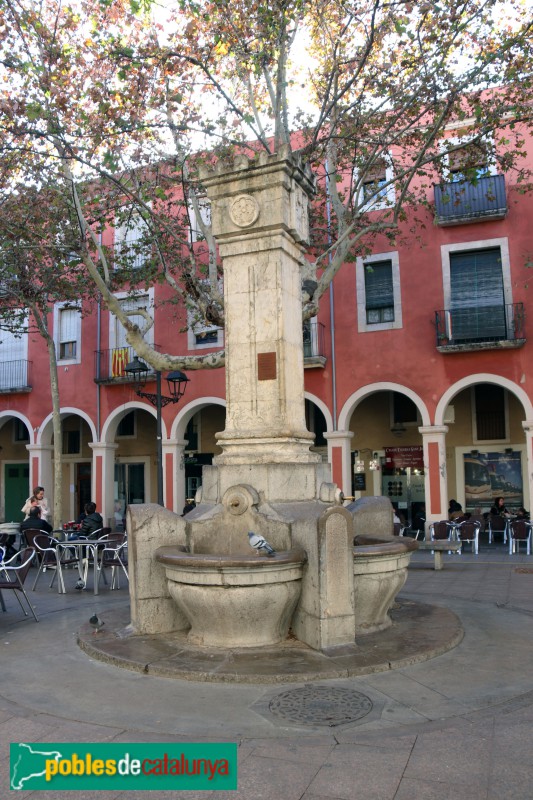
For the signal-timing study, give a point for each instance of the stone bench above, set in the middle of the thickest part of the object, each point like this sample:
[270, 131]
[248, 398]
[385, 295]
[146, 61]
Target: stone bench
[439, 547]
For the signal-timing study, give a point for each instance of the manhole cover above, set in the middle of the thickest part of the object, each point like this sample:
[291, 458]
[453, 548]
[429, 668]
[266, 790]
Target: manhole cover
[321, 705]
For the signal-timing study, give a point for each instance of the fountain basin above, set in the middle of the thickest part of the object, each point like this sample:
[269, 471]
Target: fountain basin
[380, 571]
[234, 600]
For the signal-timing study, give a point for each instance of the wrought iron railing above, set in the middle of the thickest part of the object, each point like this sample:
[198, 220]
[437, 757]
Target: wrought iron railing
[463, 201]
[313, 332]
[15, 375]
[479, 324]
[109, 365]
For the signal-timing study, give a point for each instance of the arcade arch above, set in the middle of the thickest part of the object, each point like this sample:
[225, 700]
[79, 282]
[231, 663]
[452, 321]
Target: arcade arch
[488, 444]
[78, 434]
[386, 451]
[16, 433]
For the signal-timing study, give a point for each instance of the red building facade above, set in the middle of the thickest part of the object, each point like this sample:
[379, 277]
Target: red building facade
[418, 376]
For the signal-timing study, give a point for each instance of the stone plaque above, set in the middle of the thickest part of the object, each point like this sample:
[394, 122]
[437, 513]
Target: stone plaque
[244, 210]
[266, 366]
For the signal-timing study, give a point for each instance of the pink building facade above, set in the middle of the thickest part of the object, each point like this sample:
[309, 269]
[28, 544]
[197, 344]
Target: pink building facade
[418, 377]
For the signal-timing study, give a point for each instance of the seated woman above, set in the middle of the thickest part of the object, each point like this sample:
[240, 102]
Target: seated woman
[498, 509]
[455, 511]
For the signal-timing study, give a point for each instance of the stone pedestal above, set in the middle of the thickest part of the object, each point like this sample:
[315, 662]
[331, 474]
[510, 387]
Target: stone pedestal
[259, 213]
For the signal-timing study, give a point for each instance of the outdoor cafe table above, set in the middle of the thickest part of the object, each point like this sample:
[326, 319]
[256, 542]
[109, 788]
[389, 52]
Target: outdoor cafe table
[83, 547]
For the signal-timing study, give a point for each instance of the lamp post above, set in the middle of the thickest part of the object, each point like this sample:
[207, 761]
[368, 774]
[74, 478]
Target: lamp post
[177, 383]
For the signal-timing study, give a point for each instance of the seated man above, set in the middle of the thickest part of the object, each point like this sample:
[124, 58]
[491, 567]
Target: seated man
[93, 521]
[34, 521]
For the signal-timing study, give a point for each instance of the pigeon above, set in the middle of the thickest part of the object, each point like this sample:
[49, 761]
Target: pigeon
[260, 544]
[80, 585]
[96, 623]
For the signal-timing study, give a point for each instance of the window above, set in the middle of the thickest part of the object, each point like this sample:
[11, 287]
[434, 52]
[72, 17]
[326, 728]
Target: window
[200, 336]
[477, 290]
[71, 442]
[376, 189]
[404, 410]
[373, 185]
[477, 301]
[68, 320]
[378, 292]
[473, 160]
[469, 163]
[132, 242]
[20, 431]
[191, 434]
[204, 336]
[120, 352]
[133, 304]
[204, 208]
[126, 426]
[13, 359]
[490, 412]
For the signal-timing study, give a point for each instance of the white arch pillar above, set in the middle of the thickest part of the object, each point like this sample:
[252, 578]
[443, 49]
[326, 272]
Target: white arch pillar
[41, 469]
[339, 456]
[103, 478]
[528, 478]
[174, 474]
[435, 478]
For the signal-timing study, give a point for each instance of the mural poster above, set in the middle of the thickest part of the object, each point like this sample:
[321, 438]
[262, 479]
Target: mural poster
[489, 475]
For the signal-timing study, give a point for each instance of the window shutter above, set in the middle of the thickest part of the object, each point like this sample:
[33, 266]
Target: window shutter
[477, 296]
[378, 285]
[131, 304]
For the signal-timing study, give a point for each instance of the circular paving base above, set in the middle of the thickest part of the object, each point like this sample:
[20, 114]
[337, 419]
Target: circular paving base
[419, 632]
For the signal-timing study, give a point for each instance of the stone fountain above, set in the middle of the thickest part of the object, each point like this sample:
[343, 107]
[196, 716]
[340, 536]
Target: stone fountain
[198, 573]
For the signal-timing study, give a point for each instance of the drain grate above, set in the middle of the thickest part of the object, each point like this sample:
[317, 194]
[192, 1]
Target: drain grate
[321, 705]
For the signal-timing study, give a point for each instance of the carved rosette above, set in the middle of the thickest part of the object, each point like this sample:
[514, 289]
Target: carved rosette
[244, 210]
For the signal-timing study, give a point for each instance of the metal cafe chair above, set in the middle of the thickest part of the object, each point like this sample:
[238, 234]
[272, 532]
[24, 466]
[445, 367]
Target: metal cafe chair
[467, 532]
[441, 530]
[12, 577]
[46, 549]
[101, 536]
[497, 524]
[115, 556]
[519, 531]
[398, 529]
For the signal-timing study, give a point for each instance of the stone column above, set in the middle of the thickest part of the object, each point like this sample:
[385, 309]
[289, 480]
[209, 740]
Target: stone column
[259, 214]
[435, 477]
[528, 477]
[339, 456]
[103, 478]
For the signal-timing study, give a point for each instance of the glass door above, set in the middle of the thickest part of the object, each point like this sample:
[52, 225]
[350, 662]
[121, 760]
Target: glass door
[129, 487]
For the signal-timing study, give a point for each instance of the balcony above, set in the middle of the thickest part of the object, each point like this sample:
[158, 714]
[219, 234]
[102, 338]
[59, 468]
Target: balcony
[109, 365]
[15, 376]
[480, 328]
[313, 333]
[462, 202]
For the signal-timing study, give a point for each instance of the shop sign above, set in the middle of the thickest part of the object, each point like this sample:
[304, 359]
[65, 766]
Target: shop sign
[408, 456]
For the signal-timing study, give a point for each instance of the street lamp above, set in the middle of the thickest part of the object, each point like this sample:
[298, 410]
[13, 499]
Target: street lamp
[177, 383]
